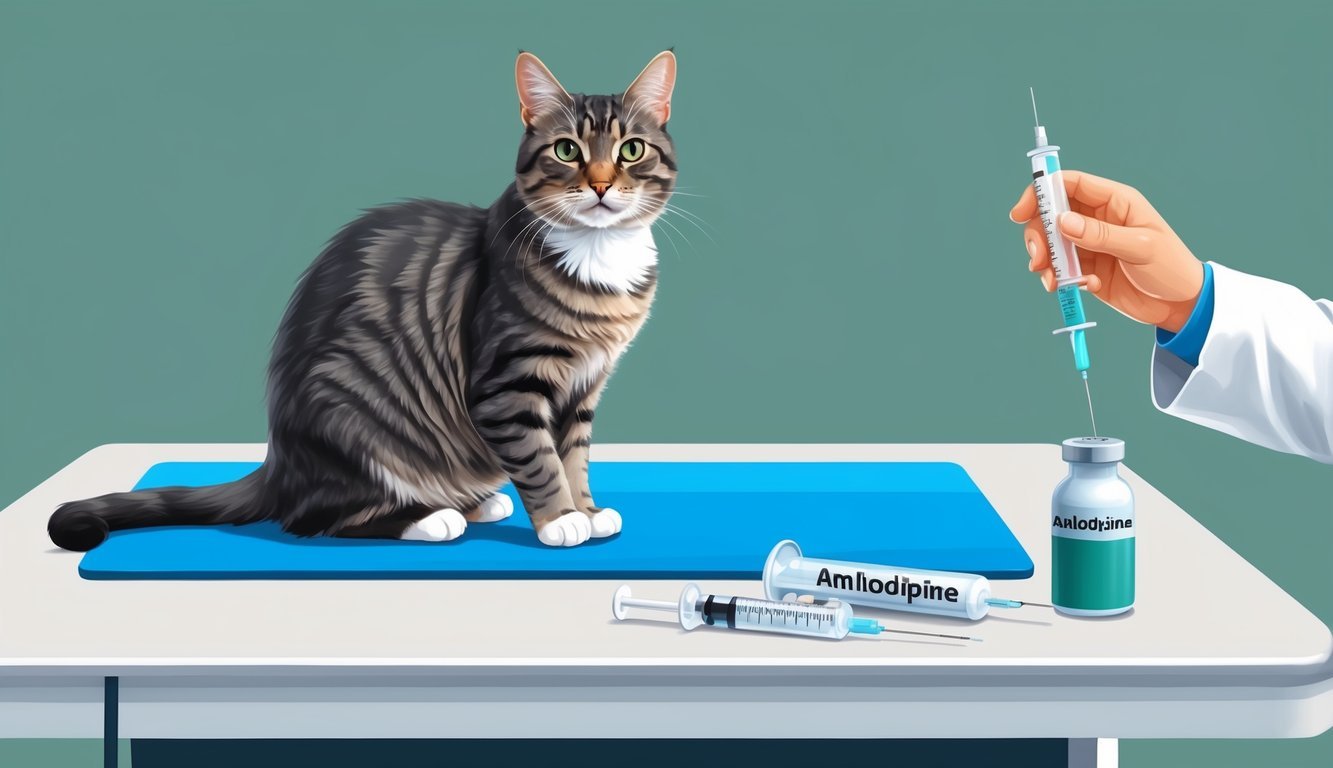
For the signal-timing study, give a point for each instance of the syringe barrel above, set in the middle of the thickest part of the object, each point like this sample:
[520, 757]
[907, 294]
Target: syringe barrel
[1052, 201]
[942, 593]
[828, 621]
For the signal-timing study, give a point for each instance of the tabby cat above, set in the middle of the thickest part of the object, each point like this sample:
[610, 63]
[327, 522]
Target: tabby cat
[434, 350]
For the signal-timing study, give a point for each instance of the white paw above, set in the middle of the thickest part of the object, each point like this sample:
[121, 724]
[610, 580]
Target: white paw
[442, 525]
[568, 530]
[605, 523]
[497, 507]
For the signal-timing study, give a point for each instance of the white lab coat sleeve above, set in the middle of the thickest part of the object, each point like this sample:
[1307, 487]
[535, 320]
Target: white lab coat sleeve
[1265, 372]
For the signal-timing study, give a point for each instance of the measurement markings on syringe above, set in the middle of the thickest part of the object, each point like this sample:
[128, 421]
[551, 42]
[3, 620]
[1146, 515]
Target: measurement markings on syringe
[1045, 212]
[759, 613]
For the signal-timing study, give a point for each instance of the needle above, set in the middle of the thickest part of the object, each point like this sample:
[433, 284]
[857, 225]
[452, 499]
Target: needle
[1035, 120]
[1091, 415]
[932, 634]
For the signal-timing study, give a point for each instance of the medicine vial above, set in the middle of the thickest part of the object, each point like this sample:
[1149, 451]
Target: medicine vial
[1092, 531]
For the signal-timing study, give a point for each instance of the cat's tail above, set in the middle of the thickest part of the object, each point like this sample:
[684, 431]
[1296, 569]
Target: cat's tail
[82, 525]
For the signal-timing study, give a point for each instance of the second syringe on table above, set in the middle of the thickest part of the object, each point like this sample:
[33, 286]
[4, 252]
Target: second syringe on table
[789, 574]
[829, 620]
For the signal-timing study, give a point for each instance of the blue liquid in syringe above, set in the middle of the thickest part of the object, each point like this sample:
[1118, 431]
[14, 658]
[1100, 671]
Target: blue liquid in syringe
[1071, 307]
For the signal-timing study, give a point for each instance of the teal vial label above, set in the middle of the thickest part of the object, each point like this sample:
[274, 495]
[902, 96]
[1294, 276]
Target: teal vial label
[1092, 559]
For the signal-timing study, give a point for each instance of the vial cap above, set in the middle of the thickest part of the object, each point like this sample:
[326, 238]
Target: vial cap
[1093, 450]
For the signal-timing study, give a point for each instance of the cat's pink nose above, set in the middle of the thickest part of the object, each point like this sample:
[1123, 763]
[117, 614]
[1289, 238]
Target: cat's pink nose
[600, 187]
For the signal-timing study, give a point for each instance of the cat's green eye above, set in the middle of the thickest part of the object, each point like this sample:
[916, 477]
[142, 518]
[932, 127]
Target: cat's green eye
[566, 151]
[631, 150]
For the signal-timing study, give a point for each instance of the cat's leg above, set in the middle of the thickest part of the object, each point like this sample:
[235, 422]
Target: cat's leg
[515, 425]
[575, 439]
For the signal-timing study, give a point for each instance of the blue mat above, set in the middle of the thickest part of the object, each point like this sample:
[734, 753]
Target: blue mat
[682, 521]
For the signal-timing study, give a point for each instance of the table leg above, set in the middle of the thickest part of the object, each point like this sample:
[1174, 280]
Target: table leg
[1094, 753]
[110, 722]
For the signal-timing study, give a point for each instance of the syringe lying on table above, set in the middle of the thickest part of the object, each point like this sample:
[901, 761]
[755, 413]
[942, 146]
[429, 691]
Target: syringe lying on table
[1052, 202]
[788, 573]
[832, 620]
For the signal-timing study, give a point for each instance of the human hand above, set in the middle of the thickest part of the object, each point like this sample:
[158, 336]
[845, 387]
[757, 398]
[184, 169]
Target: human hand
[1130, 256]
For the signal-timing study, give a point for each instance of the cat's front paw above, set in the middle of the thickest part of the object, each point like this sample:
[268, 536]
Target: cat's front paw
[568, 530]
[605, 522]
[441, 525]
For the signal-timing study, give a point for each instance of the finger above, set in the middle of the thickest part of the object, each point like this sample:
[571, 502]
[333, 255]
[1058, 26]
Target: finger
[1048, 280]
[1096, 265]
[1025, 208]
[1110, 200]
[1135, 245]
[1094, 190]
[1100, 269]
[1034, 239]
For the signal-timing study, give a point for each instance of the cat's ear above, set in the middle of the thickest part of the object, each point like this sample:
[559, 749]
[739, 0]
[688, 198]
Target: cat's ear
[538, 90]
[651, 90]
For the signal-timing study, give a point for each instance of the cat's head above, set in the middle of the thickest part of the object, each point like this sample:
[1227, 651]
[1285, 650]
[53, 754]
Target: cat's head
[596, 161]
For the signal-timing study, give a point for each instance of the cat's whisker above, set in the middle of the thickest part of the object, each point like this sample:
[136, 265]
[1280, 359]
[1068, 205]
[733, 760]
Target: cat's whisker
[518, 239]
[686, 189]
[559, 212]
[546, 205]
[546, 236]
[559, 209]
[665, 196]
[663, 220]
[667, 222]
[526, 207]
[691, 219]
[675, 247]
[698, 222]
[639, 218]
[537, 220]
[525, 235]
[680, 210]
[562, 209]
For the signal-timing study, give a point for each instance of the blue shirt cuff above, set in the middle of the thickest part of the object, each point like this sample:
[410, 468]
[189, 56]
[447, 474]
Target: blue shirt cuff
[1188, 343]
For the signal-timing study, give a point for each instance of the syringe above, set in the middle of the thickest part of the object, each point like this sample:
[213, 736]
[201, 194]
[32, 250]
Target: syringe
[831, 620]
[941, 593]
[1052, 202]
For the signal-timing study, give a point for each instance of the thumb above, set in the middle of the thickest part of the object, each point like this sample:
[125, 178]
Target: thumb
[1135, 245]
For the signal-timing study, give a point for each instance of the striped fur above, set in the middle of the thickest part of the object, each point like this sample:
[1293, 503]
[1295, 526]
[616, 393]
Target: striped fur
[434, 350]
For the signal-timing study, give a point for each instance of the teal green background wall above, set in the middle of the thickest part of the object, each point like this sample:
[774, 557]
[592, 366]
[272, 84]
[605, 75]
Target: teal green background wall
[167, 169]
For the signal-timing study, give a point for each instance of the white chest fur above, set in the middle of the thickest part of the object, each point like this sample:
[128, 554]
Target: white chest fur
[618, 259]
